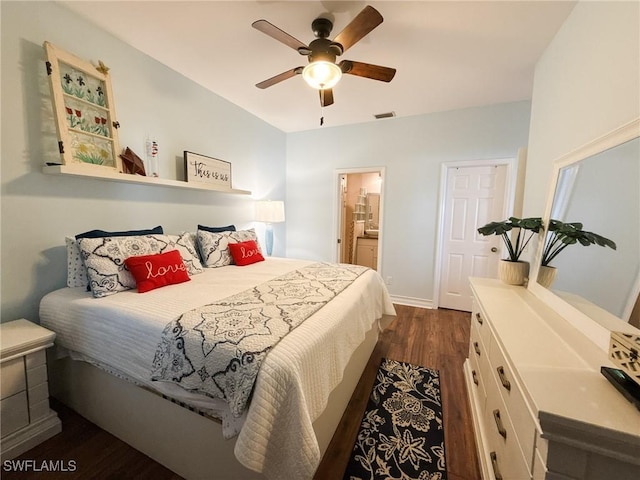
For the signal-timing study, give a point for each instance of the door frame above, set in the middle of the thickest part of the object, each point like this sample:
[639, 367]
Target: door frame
[337, 208]
[509, 203]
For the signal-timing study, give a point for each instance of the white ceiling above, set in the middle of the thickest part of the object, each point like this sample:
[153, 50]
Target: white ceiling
[448, 54]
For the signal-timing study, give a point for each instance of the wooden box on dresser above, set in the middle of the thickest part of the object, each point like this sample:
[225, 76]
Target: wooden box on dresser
[26, 418]
[541, 407]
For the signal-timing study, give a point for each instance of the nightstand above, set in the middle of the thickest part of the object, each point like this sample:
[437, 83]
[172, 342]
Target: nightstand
[25, 416]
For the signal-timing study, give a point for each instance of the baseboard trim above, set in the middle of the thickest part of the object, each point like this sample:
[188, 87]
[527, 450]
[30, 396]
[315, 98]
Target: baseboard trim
[28, 437]
[412, 301]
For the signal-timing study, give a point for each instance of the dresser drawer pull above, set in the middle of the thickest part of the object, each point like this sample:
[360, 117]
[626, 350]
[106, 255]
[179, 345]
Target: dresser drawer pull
[494, 465]
[501, 430]
[476, 347]
[479, 318]
[505, 383]
[475, 377]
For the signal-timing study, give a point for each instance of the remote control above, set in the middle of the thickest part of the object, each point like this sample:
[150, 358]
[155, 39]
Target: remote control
[623, 383]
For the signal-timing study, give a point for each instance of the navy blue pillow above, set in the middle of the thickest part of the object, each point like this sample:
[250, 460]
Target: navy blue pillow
[127, 233]
[228, 228]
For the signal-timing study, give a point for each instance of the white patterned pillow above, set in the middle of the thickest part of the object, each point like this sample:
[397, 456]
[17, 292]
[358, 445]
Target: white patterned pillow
[214, 247]
[185, 243]
[243, 236]
[104, 258]
[76, 271]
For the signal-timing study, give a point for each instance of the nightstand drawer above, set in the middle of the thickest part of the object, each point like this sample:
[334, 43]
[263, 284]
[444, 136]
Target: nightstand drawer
[12, 378]
[37, 376]
[36, 359]
[14, 413]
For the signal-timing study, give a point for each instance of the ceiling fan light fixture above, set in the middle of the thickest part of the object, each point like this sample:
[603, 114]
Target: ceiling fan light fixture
[322, 74]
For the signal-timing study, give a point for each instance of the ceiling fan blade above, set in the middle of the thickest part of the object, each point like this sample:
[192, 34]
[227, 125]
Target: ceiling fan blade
[375, 72]
[368, 19]
[326, 97]
[279, 78]
[280, 35]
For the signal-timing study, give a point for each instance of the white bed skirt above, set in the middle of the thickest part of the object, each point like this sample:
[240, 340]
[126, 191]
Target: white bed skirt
[155, 426]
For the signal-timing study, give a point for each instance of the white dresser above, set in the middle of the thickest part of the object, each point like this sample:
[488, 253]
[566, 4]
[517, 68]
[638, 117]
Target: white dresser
[541, 407]
[25, 416]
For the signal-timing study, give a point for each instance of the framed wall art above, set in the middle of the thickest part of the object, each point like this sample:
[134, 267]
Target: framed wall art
[84, 111]
[207, 170]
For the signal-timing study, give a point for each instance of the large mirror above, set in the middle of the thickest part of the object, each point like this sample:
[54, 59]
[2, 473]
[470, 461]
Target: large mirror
[599, 187]
[372, 222]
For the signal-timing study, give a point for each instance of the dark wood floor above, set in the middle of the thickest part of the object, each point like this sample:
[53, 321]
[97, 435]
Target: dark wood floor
[433, 338]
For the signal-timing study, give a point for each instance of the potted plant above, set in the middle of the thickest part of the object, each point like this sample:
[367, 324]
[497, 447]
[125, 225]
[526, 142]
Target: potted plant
[559, 236]
[512, 270]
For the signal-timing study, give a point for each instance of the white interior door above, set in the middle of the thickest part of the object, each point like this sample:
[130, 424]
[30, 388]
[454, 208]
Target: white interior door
[474, 196]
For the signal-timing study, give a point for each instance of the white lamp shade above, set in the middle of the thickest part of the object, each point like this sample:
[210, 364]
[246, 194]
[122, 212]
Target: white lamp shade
[322, 74]
[270, 211]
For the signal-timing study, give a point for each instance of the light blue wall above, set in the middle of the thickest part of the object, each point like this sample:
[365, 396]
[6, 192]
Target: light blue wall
[412, 149]
[39, 210]
[586, 84]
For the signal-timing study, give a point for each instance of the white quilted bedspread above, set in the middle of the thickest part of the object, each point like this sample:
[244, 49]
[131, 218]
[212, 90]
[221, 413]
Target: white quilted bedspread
[277, 438]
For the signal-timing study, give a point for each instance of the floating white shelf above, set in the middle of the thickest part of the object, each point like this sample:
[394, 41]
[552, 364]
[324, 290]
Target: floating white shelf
[93, 172]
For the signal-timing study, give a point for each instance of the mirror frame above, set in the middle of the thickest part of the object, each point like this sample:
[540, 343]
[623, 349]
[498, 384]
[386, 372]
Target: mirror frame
[599, 329]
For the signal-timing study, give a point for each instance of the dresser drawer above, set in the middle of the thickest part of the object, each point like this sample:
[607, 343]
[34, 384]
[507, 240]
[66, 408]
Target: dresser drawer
[502, 439]
[478, 348]
[12, 377]
[480, 321]
[14, 413]
[478, 381]
[513, 398]
[539, 468]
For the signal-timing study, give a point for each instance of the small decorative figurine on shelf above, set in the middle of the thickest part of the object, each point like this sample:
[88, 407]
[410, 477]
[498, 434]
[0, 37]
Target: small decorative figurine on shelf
[132, 163]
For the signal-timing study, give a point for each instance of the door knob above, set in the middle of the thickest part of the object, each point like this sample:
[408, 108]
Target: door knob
[494, 249]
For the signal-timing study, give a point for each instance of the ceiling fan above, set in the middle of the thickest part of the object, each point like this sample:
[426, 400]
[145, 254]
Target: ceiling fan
[322, 72]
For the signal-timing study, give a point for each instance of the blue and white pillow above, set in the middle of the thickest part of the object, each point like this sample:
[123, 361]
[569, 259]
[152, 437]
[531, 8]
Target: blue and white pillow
[76, 271]
[214, 247]
[185, 243]
[104, 258]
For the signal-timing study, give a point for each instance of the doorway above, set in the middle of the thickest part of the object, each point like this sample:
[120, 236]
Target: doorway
[359, 216]
[473, 194]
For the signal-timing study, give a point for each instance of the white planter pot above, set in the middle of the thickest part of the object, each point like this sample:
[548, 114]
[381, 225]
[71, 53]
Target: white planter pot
[546, 276]
[513, 273]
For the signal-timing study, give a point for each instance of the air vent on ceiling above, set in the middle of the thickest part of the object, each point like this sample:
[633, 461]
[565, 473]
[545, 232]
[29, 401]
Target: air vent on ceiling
[385, 115]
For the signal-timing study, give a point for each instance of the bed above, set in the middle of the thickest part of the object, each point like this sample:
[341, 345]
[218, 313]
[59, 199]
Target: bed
[105, 348]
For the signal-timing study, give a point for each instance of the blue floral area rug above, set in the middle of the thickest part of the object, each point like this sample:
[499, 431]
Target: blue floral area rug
[401, 436]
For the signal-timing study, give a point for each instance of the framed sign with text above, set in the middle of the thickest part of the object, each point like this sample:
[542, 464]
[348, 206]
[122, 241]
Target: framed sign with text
[207, 170]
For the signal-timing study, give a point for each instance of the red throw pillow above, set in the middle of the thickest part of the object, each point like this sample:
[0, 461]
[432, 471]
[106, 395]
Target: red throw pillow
[159, 270]
[245, 253]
